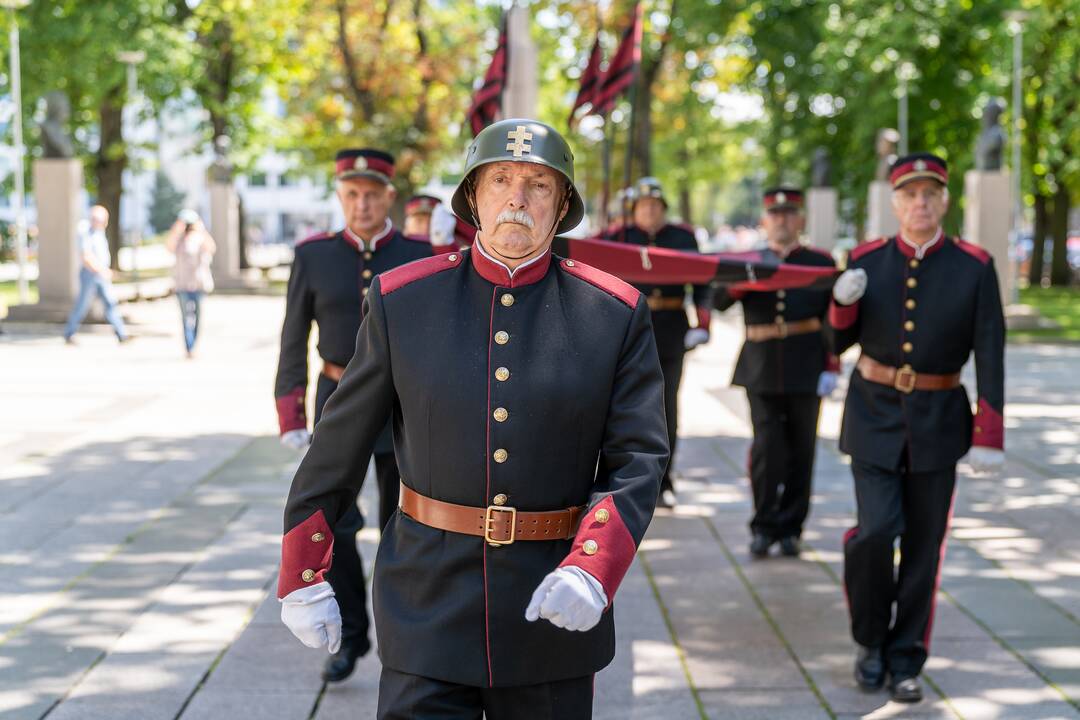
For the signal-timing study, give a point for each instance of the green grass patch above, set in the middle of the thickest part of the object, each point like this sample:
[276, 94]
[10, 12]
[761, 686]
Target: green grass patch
[1061, 305]
[9, 295]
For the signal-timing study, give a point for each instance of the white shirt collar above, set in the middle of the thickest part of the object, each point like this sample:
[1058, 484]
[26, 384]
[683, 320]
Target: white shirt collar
[371, 246]
[480, 248]
[920, 250]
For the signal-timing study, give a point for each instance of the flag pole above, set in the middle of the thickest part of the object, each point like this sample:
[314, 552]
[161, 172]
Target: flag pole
[628, 166]
[605, 199]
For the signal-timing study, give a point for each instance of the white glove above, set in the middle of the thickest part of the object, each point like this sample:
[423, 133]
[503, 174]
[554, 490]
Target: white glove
[826, 383]
[442, 226]
[313, 616]
[985, 459]
[569, 598]
[850, 286]
[695, 337]
[296, 439]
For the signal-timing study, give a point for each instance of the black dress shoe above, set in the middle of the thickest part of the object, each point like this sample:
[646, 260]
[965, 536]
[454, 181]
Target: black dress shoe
[759, 546]
[789, 546]
[341, 664]
[869, 668]
[906, 690]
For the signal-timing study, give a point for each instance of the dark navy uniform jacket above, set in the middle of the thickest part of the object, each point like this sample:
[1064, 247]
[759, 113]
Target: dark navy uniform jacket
[670, 326]
[565, 354]
[930, 310]
[784, 365]
[330, 277]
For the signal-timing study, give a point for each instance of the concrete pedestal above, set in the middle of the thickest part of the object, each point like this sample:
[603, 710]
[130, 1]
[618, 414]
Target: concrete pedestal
[58, 188]
[988, 219]
[880, 219]
[821, 217]
[225, 228]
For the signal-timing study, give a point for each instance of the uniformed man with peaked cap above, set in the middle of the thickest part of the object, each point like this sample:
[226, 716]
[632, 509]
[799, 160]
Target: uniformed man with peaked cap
[528, 418]
[331, 275]
[918, 304]
[674, 334]
[418, 212]
[785, 369]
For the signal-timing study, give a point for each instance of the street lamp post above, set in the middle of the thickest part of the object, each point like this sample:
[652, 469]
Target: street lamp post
[20, 151]
[132, 58]
[904, 73]
[1016, 20]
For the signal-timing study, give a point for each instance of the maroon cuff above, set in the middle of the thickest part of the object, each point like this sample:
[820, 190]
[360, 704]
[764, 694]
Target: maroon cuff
[842, 317]
[306, 553]
[989, 427]
[832, 363]
[704, 318]
[291, 413]
[603, 547]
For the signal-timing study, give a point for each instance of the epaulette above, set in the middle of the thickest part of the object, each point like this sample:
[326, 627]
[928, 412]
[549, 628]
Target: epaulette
[866, 248]
[608, 283]
[417, 238]
[976, 251]
[403, 275]
[317, 236]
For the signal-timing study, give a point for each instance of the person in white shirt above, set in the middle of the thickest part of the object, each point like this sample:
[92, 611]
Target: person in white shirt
[95, 278]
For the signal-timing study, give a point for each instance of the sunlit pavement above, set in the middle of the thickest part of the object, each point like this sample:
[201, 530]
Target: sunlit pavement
[140, 521]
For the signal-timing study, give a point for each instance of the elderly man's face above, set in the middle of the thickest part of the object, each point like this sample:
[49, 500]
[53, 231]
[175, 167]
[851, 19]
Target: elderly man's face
[99, 217]
[782, 227]
[418, 224]
[518, 205]
[920, 205]
[366, 203]
[649, 214]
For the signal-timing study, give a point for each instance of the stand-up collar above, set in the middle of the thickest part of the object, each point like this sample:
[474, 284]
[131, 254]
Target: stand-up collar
[380, 239]
[497, 273]
[914, 250]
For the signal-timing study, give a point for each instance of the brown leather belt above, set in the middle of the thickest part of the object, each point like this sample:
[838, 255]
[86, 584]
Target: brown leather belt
[665, 303]
[780, 330]
[904, 379]
[332, 371]
[498, 524]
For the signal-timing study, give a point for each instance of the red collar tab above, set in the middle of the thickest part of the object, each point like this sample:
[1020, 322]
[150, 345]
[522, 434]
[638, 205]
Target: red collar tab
[380, 239]
[498, 274]
[912, 250]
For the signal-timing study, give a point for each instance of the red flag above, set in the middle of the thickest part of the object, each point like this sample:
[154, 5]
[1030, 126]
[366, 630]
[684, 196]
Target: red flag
[487, 101]
[590, 79]
[622, 70]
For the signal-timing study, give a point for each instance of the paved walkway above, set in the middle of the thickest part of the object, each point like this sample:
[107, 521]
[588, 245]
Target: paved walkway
[140, 510]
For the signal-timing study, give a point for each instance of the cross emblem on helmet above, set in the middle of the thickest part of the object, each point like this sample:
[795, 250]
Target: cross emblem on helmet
[521, 138]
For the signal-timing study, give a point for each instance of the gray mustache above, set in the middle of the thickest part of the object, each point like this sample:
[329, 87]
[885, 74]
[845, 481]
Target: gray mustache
[515, 216]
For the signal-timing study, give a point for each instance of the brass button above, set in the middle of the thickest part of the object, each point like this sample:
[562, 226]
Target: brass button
[781, 294]
[499, 499]
[914, 263]
[779, 319]
[500, 414]
[502, 337]
[308, 575]
[656, 292]
[910, 304]
[507, 299]
[589, 547]
[912, 282]
[602, 516]
[907, 347]
[502, 374]
[452, 257]
[363, 293]
[318, 537]
[367, 256]
[780, 306]
[569, 263]
[366, 274]
[501, 455]
[978, 429]
[909, 325]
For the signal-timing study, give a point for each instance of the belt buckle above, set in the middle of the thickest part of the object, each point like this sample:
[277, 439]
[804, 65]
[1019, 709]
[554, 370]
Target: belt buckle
[905, 380]
[489, 520]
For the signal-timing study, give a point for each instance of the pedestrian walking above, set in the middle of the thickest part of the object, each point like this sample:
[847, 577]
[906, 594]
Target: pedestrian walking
[193, 248]
[95, 278]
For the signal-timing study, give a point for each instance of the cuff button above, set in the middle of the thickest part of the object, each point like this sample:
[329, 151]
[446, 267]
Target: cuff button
[602, 516]
[589, 547]
[308, 575]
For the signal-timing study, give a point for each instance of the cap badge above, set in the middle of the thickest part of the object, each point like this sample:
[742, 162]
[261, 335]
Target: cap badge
[360, 163]
[521, 138]
[781, 197]
[920, 165]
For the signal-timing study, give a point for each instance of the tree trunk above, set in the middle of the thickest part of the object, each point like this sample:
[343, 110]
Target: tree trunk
[1038, 239]
[684, 187]
[1059, 228]
[641, 152]
[109, 165]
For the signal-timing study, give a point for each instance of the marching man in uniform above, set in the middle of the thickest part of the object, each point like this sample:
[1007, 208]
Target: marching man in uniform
[527, 406]
[418, 211]
[785, 369]
[918, 304]
[331, 275]
[674, 336]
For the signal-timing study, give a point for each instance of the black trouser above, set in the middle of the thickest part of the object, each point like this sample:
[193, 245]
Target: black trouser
[916, 508]
[672, 369]
[346, 574]
[782, 461]
[412, 697]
